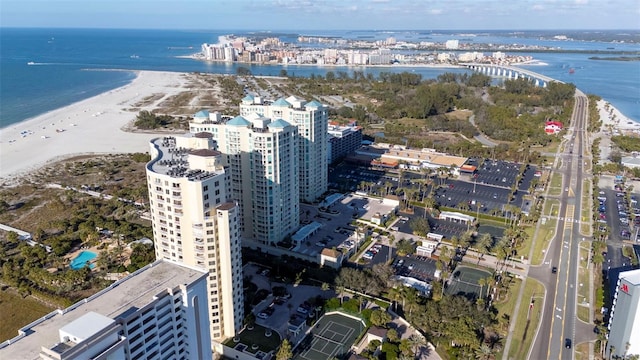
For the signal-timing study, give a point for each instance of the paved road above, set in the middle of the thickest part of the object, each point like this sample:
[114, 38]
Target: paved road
[559, 313]
[480, 136]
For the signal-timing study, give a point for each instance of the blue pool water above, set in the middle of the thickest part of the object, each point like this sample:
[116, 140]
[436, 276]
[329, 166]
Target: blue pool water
[82, 259]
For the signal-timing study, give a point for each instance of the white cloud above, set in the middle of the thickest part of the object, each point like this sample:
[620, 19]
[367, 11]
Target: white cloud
[581, 2]
[435, 11]
[538, 7]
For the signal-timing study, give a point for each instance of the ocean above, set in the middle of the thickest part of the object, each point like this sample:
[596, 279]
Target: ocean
[70, 65]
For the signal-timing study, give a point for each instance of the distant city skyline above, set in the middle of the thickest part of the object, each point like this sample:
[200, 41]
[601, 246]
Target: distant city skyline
[324, 14]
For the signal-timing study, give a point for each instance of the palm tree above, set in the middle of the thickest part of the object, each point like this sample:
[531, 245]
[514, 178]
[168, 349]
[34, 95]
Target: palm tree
[395, 295]
[484, 352]
[416, 342]
[482, 245]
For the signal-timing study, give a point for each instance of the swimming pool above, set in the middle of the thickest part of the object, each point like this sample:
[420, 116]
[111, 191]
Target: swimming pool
[82, 259]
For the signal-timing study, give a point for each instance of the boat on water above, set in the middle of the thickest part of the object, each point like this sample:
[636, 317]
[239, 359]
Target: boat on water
[134, 56]
[572, 70]
[31, 63]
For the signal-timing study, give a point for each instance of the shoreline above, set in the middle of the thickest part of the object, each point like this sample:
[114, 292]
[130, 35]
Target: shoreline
[97, 125]
[614, 121]
[88, 127]
[197, 57]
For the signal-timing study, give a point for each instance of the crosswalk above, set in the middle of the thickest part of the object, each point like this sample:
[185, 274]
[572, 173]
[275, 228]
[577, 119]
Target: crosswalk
[568, 219]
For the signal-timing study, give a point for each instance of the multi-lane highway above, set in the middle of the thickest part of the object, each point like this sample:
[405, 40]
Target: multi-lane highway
[556, 336]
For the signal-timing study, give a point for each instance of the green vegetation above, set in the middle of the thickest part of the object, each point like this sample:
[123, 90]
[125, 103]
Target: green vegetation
[527, 320]
[147, 120]
[626, 143]
[546, 230]
[256, 336]
[65, 220]
[18, 311]
[584, 287]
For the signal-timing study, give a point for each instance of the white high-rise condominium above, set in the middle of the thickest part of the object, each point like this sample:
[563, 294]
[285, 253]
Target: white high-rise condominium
[262, 158]
[195, 223]
[158, 312]
[311, 119]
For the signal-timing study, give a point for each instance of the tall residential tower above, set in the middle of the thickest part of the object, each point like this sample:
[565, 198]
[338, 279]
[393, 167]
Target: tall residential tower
[196, 223]
[262, 158]
[311, 118]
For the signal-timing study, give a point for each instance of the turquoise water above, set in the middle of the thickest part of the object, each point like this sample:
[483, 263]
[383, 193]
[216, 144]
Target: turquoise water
[82, 259]
[69, 64]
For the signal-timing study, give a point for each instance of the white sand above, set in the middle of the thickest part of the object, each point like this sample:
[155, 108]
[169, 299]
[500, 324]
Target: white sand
[612, 117]
[90, 126]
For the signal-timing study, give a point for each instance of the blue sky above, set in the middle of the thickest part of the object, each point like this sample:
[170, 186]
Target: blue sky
[323, 14]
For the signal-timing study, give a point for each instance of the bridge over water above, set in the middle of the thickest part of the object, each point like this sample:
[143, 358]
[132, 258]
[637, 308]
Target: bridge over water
[510, 72]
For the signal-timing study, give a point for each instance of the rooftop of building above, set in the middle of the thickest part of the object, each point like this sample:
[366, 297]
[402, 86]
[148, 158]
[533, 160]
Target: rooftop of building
[133, 292]
[632, 276]
[172, 160]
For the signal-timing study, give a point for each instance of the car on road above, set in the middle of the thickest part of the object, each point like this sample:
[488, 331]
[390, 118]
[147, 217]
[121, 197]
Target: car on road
[554, 270]
[567, 343]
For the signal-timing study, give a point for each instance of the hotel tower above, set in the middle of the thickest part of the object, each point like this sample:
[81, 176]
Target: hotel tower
[195, 222]
[277, 156]
[312, 119]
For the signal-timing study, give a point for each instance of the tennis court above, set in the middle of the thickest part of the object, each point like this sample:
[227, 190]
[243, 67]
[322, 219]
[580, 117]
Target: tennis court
[465, 281]
[332, 336]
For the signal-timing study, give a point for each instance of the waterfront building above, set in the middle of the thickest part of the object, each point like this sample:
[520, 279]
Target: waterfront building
[343, 140]
[311, 119]
[262, 158]
[624, 323]
[380, 57]
[356, 57]
[452, 44]
[196, 223]
[158, 312]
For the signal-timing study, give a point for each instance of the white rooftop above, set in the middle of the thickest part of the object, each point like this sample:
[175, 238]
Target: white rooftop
[632, 276]
[86, 326]
[133, 292]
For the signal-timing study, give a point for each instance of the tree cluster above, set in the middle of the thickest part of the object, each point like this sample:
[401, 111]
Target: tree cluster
[147, 120]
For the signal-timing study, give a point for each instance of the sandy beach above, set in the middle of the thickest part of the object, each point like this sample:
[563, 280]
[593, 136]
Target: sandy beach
[95, 125]
[90, 126]
[614, 119]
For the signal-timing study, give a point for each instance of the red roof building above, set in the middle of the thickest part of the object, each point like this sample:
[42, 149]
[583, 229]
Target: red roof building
[552, 127]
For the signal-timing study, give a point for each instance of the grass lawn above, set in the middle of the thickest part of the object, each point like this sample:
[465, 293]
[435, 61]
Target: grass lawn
[583, 313]
[18, 312]
[546, 231]
[507, 307]
[526, 245]
[257, 337]
[585, 214]
[584, 288]
[555, 186]
[582, 351]
[526, 323]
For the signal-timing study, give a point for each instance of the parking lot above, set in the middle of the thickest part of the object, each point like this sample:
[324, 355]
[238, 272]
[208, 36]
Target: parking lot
[418, 267]
[614, 211]
[490, 186]
[277, 310]
[502, 173]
